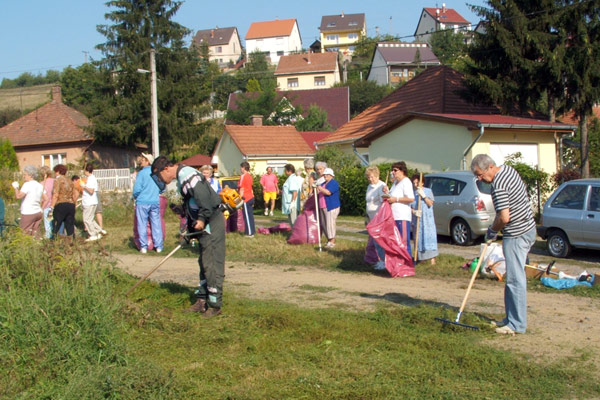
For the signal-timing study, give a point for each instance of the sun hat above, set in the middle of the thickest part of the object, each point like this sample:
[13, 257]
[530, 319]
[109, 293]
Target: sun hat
[328, 171]
[148, 157]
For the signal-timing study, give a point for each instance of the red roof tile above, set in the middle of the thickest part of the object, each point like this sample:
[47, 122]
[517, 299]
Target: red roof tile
[505, 120]
[198, 160]
[312, 137]
[52, 123]
[307, 63]
[266, 29]
[571, 118]
[268, 140]
[335, 101]
[436, 90]
[446, 16]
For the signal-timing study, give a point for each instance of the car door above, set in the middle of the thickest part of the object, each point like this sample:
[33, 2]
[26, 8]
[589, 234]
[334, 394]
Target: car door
[591, 218]
[566, 211]
[443, 190]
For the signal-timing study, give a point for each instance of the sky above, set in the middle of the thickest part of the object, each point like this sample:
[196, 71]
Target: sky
[38, 35]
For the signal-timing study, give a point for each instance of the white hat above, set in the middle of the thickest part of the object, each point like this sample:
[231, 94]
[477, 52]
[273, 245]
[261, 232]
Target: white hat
[328, 171]
[148, 157]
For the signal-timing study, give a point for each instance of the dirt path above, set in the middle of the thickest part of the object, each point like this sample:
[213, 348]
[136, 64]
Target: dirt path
[560, 325]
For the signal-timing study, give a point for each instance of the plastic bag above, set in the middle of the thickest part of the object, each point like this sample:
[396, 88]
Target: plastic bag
[371, 256]
[305, 228]
[384, 231]
[565, 283]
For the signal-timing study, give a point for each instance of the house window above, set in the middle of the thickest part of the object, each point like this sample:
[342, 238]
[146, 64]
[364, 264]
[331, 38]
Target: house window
[280, 53]
[353, 36]
[292, 82]
[219, 49]
[352, 23]
[333, 38]
[319, 81]
[331, 25]
[50, 160]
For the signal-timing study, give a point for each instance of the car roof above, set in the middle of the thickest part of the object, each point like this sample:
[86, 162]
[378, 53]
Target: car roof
[585, 181]
[462, 173]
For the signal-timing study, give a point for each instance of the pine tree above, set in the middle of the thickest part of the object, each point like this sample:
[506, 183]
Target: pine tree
[122, 113]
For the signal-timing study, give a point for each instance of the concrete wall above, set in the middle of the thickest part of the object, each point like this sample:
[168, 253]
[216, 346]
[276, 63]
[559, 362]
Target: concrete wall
[228, 157]
[378, 71]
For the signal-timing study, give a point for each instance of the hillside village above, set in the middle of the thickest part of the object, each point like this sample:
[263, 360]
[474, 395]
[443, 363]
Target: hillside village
[314, 78]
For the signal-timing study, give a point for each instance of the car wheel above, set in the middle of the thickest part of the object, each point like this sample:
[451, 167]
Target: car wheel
[461, 233]
[558, 244]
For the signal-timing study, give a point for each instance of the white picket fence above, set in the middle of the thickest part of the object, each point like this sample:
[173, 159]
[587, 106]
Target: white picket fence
[114, 179]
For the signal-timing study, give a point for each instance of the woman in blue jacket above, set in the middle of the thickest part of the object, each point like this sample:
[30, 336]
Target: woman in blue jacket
[331, 190]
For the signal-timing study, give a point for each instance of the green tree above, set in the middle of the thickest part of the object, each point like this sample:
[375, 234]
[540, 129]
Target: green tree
[250, 104]
[253, 85]
[8, 115]
[336, 158]
[364, 94]
[518, 61]
[315, 120]
[80, 86]
[579, 23]
[121, 115]
[8, 156]
[449, 47]
[257, 67]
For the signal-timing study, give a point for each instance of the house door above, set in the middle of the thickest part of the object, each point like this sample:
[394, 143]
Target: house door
[529, 152]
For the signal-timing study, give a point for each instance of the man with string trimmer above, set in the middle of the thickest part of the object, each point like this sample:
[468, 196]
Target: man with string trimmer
[202, 205]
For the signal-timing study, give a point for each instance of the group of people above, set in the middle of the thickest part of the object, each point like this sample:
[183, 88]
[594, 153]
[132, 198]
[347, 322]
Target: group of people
[53, 201]
[411, 205]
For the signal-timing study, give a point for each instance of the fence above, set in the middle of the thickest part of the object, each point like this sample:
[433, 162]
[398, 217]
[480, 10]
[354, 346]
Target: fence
[114, 179]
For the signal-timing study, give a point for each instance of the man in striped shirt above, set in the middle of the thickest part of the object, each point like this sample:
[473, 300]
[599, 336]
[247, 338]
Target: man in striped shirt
[515, 219]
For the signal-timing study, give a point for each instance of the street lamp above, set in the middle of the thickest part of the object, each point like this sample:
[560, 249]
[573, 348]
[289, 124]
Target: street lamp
[153, 101]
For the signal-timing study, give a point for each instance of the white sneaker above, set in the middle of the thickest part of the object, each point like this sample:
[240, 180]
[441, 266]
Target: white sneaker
[159, 249]
[92, 238]
[271, 213]
[103, 232]
[266, 212]
[143, 250]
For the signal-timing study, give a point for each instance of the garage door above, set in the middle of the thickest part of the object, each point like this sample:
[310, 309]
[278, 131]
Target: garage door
[529, 152]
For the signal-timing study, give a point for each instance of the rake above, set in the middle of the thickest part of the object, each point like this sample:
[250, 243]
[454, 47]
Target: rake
[464, 303]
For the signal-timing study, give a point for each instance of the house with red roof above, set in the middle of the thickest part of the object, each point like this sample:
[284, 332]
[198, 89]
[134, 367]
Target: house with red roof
[224, 45]
[58, 134]
[308, 71]
[397, 62]
[429, 124]
[277, 38]
[439, 19]
[335, 101]
[262, 146]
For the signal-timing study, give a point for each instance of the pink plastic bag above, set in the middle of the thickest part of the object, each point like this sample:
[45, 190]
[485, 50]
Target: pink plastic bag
[263, 231]
[371, 256]
[282, 227]
[383, 230]
[305, 228]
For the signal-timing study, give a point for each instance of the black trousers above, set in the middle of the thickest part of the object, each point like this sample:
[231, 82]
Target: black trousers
[64, 212]
[212, 262]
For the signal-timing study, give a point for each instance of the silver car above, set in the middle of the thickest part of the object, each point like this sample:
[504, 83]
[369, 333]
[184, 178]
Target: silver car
[463, 206]
[571, 217]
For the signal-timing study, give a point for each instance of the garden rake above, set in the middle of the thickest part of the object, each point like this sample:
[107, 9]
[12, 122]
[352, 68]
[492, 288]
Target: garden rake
[462, 306]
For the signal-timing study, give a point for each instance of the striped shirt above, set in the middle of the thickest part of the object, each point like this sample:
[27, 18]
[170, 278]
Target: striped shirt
[509, 191]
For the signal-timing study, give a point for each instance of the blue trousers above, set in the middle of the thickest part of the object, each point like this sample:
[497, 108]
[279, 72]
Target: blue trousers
[515, 292]
[249, 217]
[404, 228]
[47, 223]
[143, 212]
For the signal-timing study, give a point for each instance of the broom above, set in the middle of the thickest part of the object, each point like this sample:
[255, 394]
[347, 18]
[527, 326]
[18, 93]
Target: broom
[462, 306]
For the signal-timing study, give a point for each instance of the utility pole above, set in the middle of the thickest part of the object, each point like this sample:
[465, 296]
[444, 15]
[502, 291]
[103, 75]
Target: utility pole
[154, 101]
[85, 55]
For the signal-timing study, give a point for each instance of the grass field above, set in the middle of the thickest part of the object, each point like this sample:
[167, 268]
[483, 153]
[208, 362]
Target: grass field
[26, 98]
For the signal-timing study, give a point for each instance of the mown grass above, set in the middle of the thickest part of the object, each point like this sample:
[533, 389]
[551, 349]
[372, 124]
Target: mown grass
[67, 331]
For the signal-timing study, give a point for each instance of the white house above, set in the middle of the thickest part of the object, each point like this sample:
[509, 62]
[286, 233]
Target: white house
[277, 38]
[224, 45]
[439, 19]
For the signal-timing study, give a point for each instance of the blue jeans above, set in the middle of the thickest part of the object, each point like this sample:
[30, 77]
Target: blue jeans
[143, 212]
[47, 223]
[515, 292]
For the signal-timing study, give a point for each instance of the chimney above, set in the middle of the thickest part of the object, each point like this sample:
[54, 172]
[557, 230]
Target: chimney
[437, 12]
[342, 14]
[257, 120]
[212, 33]
[309, 57]
[443, 7]
[56, 95]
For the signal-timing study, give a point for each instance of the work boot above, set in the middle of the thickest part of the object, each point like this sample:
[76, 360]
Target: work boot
[199, 307]
[212, 312]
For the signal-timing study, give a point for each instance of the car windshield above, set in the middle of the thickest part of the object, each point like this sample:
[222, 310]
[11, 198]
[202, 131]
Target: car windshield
[485, 188]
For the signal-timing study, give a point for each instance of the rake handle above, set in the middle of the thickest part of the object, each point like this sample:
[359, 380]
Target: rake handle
[475, 272]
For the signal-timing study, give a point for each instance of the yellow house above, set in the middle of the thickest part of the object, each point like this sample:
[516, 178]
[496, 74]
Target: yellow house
[341, 32]
[262, 146]
[307, 71]
[429, 125]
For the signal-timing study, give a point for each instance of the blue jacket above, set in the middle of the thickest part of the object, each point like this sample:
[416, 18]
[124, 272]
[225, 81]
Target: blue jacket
[145, 190]
[333, 200]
